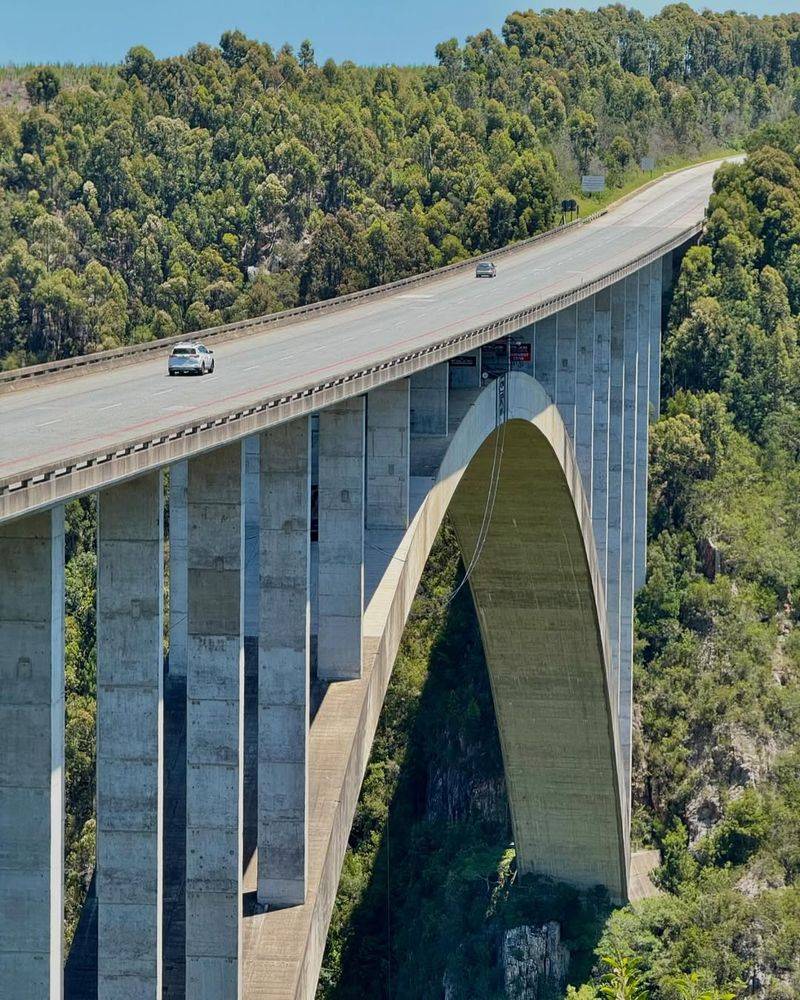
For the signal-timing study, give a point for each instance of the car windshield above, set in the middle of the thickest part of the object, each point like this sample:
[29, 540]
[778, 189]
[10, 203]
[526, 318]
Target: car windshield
[184, 350]
[484, 267]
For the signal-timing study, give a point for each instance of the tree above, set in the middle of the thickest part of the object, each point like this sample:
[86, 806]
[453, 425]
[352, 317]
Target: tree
[44, 86]
[582, 128]
[622, 979]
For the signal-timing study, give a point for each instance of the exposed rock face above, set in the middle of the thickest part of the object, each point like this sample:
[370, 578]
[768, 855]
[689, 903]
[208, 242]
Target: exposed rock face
[456, 793]
[535, 962]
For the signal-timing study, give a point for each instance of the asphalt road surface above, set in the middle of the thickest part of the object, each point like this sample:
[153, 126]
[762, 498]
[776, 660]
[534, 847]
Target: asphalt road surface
[60, 420]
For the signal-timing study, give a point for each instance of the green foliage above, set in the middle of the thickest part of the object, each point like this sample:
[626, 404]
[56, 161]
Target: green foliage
[161, 196]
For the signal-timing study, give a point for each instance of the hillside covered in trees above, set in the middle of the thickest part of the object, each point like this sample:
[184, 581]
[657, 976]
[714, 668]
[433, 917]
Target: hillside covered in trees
[163, 196]
[430, 899]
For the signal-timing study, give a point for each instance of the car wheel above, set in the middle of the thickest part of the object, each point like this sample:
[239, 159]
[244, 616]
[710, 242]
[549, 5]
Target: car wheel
[211, 369]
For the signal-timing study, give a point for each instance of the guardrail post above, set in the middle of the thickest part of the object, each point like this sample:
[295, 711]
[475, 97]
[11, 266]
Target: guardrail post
[32, 756]
[283, 682]
[341, 539]
[214, 725]
[130, 560]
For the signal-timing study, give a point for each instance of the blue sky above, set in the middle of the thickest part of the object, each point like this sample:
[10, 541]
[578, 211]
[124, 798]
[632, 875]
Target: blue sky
[403, 31]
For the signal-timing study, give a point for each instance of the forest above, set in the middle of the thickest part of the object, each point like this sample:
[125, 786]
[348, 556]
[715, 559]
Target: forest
[163, 196]
[160, 197]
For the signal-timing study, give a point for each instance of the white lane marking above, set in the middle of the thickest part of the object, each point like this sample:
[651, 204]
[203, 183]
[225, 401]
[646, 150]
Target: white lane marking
[110, 406]
[162, 393]
[249, 368]
[47, 424]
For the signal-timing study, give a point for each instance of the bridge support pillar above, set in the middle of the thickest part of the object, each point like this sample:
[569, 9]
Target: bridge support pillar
[214, 725]
[341, 539]
[600, 420]
[643, 375]
[178, 534]
[629, 437]
[252, 519]
[130, 738]
[544, 354]
[465, 370]
[615, 439]
[429, 400]
[388, 454]
[566, 365]
[283, 683]
[584, 393]
[32, 756]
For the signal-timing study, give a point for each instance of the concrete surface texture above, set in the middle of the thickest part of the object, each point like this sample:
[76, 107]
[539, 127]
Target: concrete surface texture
[283, 663]
[214, 725]
[341, 539]
[388, 454]
[130, 543]
[32, 756]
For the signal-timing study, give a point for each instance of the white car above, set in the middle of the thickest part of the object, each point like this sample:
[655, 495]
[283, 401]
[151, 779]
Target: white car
[190, 359]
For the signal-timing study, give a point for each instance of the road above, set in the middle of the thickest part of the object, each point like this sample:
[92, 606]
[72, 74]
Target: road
[46, 424]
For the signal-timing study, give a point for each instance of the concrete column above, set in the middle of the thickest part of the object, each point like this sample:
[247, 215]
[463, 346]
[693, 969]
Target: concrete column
[656, 293]
[600, 421]
[341, 539]
[465, 371]
[429, 400]
[544, 354]
[642, 424]
[214, 725]
[178, 534]
[584, 396]
[566, 364]
[252, 518]
[615, 438]
[32, 756]
[667, 279]
[130, 716]
[628, 517]
[388, 451]
[283, 664]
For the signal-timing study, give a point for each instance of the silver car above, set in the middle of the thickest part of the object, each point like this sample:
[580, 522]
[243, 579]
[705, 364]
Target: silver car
[485, 269]
[190, 359]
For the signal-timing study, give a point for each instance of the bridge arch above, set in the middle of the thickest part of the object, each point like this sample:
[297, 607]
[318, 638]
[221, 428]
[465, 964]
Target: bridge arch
[549, 668]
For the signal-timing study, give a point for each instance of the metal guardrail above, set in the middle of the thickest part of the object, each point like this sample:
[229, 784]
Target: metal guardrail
[309, 398]
[23, 378]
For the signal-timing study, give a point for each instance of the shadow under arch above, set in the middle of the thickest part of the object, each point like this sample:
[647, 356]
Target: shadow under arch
[539, 598]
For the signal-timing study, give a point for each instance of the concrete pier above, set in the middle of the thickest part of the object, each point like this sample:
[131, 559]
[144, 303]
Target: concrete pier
[252, 519]
[283, 664]
[566, 365]
[32, 756]
[130, 547]
[214, 725]
[628, 518]
[584, 392]
[178, 535]
[615, 435]
[341, 539]
[388, 451]
[600, 420]
[465, 371]
[544, 354]
[429, 400]
[642, 426]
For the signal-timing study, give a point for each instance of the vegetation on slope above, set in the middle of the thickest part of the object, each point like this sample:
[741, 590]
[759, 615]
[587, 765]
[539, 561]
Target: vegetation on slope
[163, 196]
[717, 769]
